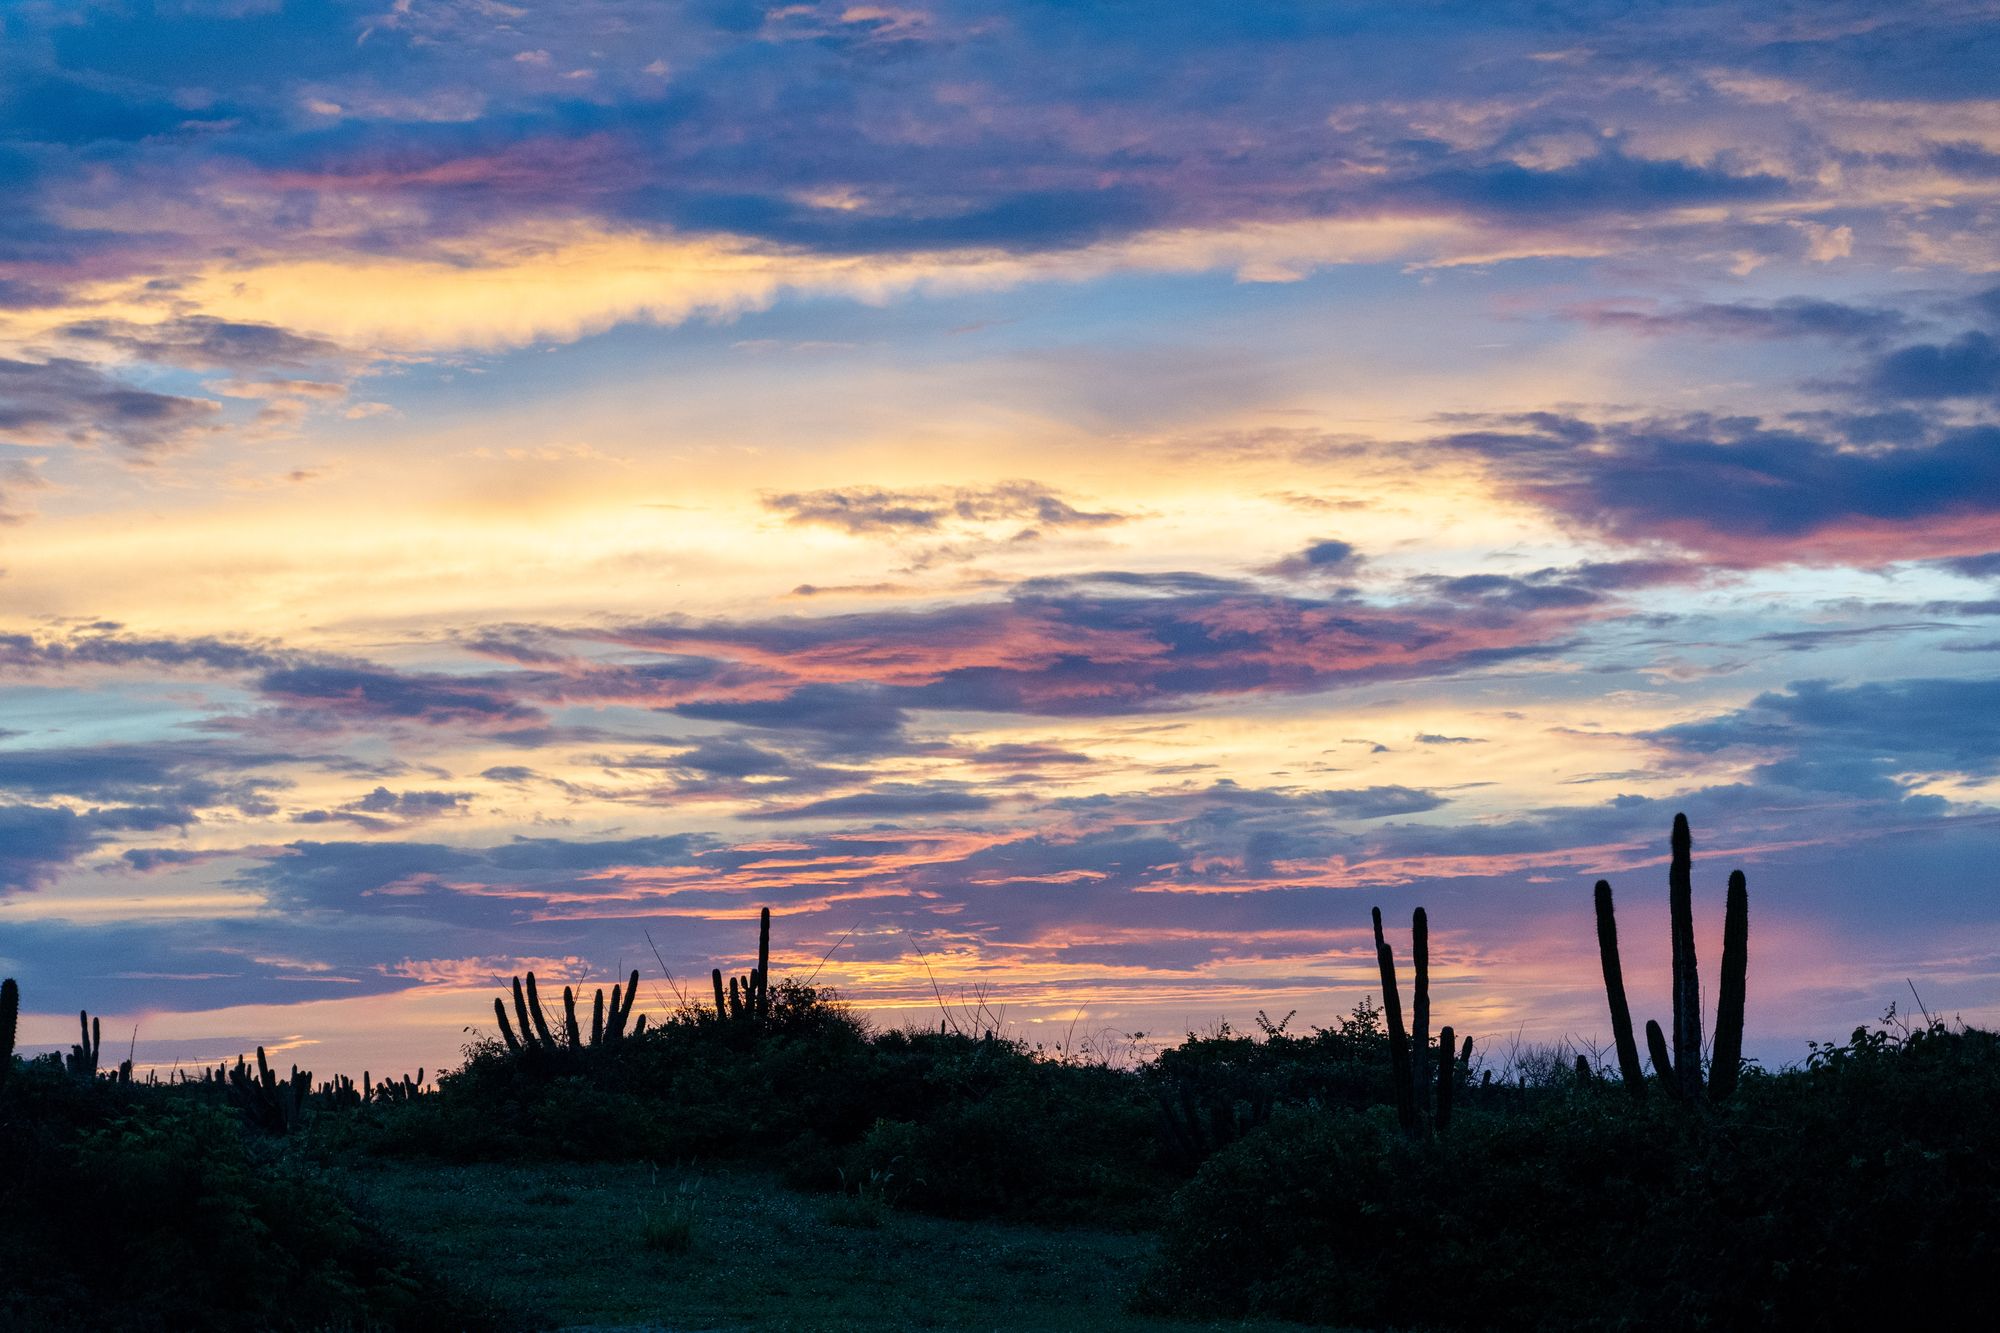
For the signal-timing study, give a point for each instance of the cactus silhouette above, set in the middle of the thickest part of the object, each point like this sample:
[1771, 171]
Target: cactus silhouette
[81, 1061]
[1629, 1069]
[1687, 977]
[1392, 1012]
[534, 1034]
[270, 1103]
[1726, 1061]
[1679, 1068]
[10, 1015]
[1423, 1082]
[748, 997]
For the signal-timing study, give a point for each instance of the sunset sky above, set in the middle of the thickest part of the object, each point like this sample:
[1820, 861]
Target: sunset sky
[1068, 503]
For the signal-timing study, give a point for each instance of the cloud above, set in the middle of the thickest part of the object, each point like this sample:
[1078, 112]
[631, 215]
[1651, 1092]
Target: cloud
[1745, 493]
[202, 342]
[356, 694]
[867, 510]
[1966, 367]
[63, 401]
[893, 800]
[1114, 643]
[383, 809]
[182, 775]
[1792, 317]
[1875, 739]
[1327, 556]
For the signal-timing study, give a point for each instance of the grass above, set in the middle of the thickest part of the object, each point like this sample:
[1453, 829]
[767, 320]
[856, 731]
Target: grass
[571, 1246]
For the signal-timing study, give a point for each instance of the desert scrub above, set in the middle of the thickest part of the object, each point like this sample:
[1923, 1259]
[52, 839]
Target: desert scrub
[1854, 1192]
[153, 1211]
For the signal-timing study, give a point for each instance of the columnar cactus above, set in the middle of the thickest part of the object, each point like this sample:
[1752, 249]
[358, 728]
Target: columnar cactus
[1687, 978]
[275, 1105]
[1629, 1068]
[1392, 1013]
[81, 1062]
[1418, 1077]
[1679, 1066]
[10, 1015]
[1726, 1063]
[748, 997]
[535, 1034]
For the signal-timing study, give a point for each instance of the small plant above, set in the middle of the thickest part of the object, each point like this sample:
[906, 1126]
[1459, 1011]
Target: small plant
[867, 1203]
[669, 1228]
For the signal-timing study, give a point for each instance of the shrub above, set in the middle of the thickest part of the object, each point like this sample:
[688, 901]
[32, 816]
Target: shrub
[1857, 1191]
[144, 1208]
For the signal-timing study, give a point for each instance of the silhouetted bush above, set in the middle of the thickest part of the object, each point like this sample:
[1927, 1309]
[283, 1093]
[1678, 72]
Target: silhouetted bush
[967, 1125]
[130, 1206]
[1861, 1190]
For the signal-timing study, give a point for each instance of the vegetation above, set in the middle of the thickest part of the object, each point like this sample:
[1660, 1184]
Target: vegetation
[140, 1207]
[1852, 1193]
[1358, 1174]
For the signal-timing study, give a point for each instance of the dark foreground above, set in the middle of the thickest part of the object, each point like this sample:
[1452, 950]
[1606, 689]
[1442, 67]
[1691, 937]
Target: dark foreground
[627, 1246]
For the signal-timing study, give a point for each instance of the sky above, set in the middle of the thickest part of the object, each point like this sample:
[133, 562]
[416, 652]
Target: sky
[1067, 505]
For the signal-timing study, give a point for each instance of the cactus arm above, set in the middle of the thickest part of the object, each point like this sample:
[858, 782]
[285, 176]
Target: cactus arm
[1447, 1077]
[1687, 977]
[506, 1028]
[735, 999]
[1629, 1068]
[1727, 1061]
[570, 1033]
[1663, 1065]
[1392, 1011]
[541, 1018]
[721, 1010]
[1420, 1014]
[597, 1015]
[639, 1026]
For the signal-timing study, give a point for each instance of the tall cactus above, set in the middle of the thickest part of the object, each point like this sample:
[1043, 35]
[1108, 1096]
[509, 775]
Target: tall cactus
[10, 1016]
[1417, 1076]
[1447, 1076]
[1629, 1068]
[81, 1061]
[748, 998]
[1687, 977]
[533, 1034]
[9, 1025]
[1679, 1067]
[1726, 1062]
[1392, 1012]
[763, 1007]
[1420, 1013]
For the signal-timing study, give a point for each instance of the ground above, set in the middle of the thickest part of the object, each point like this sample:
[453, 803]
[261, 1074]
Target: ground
[567, 1246]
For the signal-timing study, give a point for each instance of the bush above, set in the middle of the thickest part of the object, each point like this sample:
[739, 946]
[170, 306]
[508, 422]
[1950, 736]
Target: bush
[1861, 1190]
[971, 1126]
[142, 1208]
